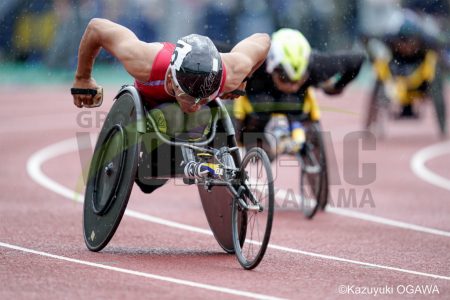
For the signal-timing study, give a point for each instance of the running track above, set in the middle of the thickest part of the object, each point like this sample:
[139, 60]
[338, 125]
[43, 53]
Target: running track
[163, 248]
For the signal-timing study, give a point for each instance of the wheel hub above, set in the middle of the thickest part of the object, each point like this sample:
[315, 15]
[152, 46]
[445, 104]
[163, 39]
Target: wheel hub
[109, 169]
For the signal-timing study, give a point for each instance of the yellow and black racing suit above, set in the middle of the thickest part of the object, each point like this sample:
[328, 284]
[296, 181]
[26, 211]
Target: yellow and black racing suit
[253, 112]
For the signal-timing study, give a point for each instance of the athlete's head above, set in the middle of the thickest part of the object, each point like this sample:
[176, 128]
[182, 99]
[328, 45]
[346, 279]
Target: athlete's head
[406, 32]
[288, 59]
[196, 70]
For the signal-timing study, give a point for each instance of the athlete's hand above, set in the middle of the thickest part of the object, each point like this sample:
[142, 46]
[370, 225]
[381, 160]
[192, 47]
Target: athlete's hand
[331, 90]
[231, 95]
[330, 86]
[87, 100]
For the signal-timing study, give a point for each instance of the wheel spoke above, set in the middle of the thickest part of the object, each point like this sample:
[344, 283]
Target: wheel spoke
[259, 222]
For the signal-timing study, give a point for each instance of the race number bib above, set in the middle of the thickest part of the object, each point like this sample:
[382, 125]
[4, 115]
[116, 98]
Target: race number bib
[182, 49]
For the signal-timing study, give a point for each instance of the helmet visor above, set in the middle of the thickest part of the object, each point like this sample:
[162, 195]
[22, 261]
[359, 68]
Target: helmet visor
[182, 94]
[282, 75]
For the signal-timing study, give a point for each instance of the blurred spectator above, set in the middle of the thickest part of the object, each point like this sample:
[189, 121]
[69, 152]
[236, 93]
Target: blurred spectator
[254, 16]
[35, 29]
[8, 8]
[374, 16]
[182, 17]
[151, 19]
[29, 26]
[320, 23]
[319, 20]
[435, 13]
[133, 14]
[290, 13]
[437, 8]
[350, 20]
[220, 20]
[72, 18]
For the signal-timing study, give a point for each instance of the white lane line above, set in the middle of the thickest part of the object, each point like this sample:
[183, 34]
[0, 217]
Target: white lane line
[67, 146]
[70, 145]
[385, 221]
[283, 194]
[420, 158]
[34, 170]
[142, 274]
[37, 159]
[356, 262]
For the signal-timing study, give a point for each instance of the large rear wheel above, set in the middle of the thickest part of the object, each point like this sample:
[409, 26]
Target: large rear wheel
[111, 174]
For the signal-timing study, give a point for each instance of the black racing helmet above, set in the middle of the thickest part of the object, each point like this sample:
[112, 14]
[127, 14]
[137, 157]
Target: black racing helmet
[196, 66]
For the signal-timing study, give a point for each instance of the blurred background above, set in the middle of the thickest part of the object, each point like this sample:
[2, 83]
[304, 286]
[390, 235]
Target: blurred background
[39, 38]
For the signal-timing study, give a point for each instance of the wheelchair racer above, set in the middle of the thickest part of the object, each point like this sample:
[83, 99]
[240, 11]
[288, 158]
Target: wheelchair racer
[285, 82]
[189, 73]
[410, 66]
[192, 72]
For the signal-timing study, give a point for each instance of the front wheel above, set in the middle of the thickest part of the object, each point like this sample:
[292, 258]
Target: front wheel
[314, 187]
[257, 204]
[437, 96]
[377, 111]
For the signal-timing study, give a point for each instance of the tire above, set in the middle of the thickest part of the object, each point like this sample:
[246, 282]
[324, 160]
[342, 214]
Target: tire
[111, 174]
[313, 173]
[439, 102]
[377, 111]
[252, 180]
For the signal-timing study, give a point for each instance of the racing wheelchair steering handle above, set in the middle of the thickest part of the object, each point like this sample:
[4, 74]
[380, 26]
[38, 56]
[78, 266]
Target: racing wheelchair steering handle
[216, 103]
[194, 145]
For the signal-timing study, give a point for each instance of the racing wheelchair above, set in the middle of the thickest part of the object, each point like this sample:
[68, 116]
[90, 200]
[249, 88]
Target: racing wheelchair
[269, 128]
[401, 88]
[150, 146]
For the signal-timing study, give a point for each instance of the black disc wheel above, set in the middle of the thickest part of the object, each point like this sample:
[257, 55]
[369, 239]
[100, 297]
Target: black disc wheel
[217, 203]
[111, 174]
[256, 203]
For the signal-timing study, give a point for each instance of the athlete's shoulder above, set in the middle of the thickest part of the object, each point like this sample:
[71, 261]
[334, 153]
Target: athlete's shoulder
[148, 54]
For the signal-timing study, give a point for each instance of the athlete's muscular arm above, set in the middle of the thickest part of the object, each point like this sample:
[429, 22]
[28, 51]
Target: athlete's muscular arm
[244, 59]
[135, 55]
[324, 66]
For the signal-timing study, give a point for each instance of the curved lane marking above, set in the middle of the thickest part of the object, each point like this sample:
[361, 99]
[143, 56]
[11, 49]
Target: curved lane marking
[34, 170]
[67, 146]
[370, 218]
[420, 158]
[141, 274]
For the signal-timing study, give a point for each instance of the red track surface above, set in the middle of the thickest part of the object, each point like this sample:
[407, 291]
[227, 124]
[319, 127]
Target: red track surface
[36, 218]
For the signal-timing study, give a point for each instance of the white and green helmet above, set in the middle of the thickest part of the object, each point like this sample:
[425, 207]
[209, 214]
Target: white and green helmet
[290, 51]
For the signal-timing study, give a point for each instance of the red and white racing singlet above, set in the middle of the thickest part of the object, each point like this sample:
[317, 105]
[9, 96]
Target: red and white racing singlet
[153, 91]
